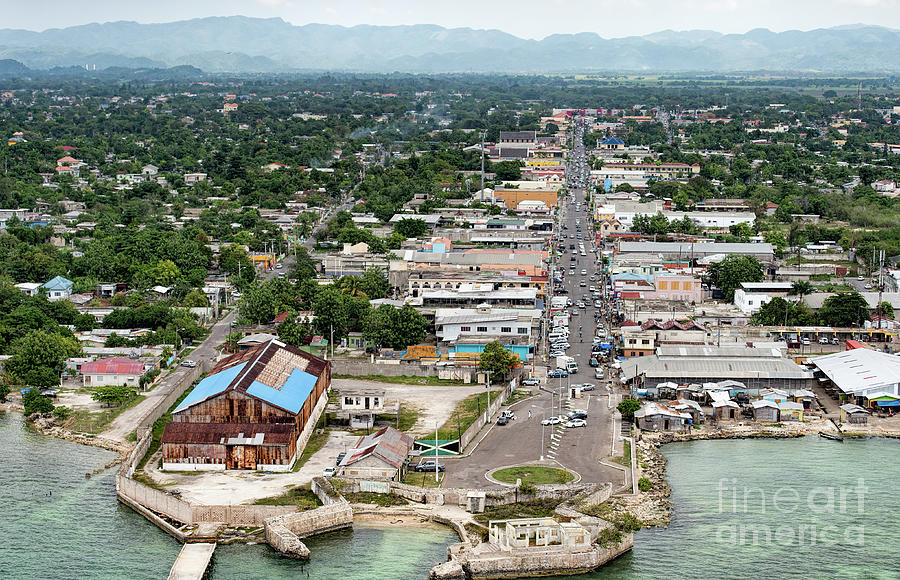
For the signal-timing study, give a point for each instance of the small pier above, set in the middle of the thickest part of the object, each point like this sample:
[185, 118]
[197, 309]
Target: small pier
[192, 561]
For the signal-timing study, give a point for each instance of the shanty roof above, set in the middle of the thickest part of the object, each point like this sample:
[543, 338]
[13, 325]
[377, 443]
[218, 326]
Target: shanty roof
[388, 444]
[274, 372]
[651, 409]
[851, 408]
[113, 366]
[764, 403]
[229, 433]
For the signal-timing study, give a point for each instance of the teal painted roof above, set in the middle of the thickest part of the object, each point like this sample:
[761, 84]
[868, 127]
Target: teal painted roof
[210, 386]
[58, 283]
[290, 396]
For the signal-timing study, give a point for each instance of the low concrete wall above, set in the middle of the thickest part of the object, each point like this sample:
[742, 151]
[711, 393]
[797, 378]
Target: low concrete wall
[154, 500]
[238, 515]
[396, 368]
[470, 433]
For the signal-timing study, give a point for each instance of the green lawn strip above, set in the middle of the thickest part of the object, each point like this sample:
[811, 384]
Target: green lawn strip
[423, 479]
[381, 499]
[300, 496]
[316, 441]
[467, 412]
[404, 422]
[533, 475]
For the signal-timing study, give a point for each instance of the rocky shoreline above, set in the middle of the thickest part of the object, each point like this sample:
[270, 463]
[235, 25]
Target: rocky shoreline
[47, 425]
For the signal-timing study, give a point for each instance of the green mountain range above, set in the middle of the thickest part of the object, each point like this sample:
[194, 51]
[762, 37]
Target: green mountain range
[241, 44]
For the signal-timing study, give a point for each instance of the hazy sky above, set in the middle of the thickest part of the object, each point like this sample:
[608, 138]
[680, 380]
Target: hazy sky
[525, 18]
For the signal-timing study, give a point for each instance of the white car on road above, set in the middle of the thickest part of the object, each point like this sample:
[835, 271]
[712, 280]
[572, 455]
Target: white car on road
[576, 423]
[552, 421]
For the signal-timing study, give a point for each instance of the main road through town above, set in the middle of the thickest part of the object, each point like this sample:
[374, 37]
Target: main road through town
[584, 450]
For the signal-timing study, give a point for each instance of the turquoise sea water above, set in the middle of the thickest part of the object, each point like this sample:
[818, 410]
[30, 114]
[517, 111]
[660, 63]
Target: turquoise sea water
[786, 528]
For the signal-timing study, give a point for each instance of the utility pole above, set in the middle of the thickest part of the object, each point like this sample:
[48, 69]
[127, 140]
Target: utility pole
[482, 164]
[488, 386]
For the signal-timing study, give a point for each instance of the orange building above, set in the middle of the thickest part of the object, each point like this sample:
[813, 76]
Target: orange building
[513, 197]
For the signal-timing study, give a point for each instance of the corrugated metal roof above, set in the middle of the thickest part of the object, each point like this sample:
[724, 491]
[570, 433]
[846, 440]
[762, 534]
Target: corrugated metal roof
[211, 385]
[272, 433]
[388, 444]
[113, 366]
[860, 369]
[698, 249]
[274, 372]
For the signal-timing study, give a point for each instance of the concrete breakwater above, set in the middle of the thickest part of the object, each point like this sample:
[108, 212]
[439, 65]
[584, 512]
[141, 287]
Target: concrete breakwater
[285, 532]
[528, 563]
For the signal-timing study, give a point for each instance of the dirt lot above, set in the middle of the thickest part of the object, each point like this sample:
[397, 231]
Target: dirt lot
[236, 487]
[435, 404]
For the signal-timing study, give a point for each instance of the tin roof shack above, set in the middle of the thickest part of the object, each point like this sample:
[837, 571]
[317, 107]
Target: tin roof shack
[726, 410]
[790, 411]
[765, 411]
[854, 414]
[255, 410]
[381, 455]
[690, 407]
[659, 417]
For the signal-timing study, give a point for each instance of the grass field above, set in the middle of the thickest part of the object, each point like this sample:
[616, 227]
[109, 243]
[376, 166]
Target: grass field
[83, 421]
[300, 496]
[533, 475]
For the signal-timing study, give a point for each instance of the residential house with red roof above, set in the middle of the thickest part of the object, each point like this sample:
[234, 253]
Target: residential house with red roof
[112, 371]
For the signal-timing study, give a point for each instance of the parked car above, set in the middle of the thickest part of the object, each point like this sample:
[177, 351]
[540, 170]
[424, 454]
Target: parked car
[340, 458]
[503, 420]
[598, 374]
[576, 423]
[824, 340]
[429, 466]
[532, 382]
[188, 363]
[557, 373]
[552, 421]
[329, 472]
[594, 362]
[587, 386]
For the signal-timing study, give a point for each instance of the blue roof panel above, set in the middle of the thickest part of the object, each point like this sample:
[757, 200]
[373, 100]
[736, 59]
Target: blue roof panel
[293, 393]
[58, 283]
[211, 385]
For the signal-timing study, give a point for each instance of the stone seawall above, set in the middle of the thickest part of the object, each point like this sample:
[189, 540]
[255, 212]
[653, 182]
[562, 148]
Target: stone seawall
[529, 563]
[284, 533]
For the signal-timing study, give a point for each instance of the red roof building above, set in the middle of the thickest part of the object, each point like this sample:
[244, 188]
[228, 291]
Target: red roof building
[112, 371]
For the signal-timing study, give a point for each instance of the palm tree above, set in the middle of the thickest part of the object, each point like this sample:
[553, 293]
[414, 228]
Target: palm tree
[801, 288]
[352, 286]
